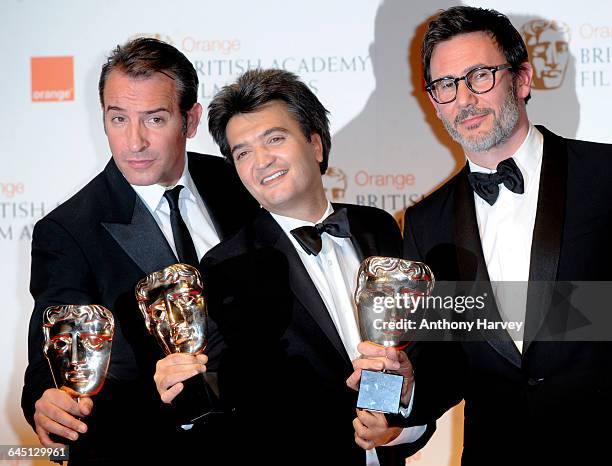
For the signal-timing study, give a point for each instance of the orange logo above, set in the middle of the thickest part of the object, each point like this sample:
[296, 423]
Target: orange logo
[52, 79]
[334, 182]
[548, 46]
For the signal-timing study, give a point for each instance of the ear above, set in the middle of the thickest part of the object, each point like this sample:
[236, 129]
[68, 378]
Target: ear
[193, 119]
[315, 140]
[435, 105]
[524, 77]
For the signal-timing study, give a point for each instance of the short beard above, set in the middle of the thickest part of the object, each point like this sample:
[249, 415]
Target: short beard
[503, 126]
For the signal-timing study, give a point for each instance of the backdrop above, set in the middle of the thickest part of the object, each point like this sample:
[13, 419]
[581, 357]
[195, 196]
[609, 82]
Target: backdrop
[359, 56]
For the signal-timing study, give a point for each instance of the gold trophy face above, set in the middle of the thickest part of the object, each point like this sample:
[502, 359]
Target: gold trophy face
[174, 308]
[387, 295]
[78, 341]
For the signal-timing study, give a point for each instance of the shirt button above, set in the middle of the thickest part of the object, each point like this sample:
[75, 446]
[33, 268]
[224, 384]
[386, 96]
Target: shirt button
[329, 262]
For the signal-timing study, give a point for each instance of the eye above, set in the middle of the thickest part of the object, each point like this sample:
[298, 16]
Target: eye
[60, 345]
[118, 119]
[480, 75]
[240, 155]
[276, 139]
[156, 121]
[157, 314]
[93, 342]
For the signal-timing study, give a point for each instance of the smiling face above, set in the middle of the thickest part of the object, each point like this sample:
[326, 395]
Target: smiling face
[495, 120]
[78, 348]
[277, 164]
[146, 132]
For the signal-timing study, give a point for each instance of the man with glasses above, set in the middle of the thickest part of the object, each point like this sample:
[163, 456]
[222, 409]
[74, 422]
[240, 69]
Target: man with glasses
[529, 206]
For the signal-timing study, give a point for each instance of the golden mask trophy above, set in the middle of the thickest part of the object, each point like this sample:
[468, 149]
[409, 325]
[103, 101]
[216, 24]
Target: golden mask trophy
[387, 296]
[174, 309]
[78, 342]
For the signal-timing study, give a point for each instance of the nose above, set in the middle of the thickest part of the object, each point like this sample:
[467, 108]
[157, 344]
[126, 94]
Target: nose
[465, 97]
[137, 140]
[263, 157]
[77, 352]
[551, 56]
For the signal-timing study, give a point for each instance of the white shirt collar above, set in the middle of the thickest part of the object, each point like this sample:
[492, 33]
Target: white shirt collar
[153, 194]
[527, 156]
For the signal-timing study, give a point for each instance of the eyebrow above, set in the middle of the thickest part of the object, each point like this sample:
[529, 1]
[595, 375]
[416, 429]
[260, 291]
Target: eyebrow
[146, 112]
[260, 136]
[465, 71]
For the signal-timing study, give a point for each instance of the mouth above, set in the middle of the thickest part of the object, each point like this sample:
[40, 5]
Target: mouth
[139, 164]
[80, 375]
[181, 336]
[472, 122]
[551, 74]
[274, 176]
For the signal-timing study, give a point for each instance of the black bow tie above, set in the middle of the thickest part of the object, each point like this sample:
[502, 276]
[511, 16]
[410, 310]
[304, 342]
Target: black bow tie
[486, 185]
[310, 237]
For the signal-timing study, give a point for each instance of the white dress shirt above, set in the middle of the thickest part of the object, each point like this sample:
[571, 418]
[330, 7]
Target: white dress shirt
[194, 212]
[506, 230]
[334, 274]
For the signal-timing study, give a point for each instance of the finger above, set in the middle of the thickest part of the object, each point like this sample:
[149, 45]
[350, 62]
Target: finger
[392, 356]
[50, 414]
[172, 379]
[46, 425]
[369, 349]
[177, 359]
[171, 393]
[365, 444]
[367, 418]
[46, 441]
[202, 358]
[58, 399]
[377, 364]
[85, 405]
[360, 430]
[353, 380]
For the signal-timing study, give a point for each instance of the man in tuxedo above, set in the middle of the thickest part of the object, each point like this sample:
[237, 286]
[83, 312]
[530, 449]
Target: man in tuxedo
[529, 207]
[281, 290]
[153, 205]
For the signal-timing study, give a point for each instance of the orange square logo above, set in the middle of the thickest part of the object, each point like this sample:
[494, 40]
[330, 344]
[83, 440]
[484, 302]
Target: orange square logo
[52, 79]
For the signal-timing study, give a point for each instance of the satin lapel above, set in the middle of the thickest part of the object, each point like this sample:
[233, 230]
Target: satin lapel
[131, 224]
[547, 232]
[363, 241]
[472, 265]
[301, 284]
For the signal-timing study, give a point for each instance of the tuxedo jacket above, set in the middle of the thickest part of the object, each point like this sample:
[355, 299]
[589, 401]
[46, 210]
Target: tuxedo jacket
[93, 249]
[283, 373]
[544, 404]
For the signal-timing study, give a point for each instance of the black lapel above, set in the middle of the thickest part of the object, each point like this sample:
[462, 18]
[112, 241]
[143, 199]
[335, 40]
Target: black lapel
[547, 232]
[268, 232]
[362, 238]
[472, 265]
[131, 224]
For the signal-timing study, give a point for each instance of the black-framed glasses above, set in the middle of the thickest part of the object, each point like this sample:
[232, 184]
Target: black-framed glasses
[479, 80]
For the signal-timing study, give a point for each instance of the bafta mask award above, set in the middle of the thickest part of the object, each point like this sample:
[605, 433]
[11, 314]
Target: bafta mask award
[387, 297]
[174, 309]
[78, 340]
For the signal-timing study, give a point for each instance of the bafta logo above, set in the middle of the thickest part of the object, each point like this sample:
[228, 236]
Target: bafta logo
[548, 47]
[334, 183]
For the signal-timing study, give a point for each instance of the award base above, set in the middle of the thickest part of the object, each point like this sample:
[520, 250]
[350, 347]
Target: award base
[194, 404]
[380, 391]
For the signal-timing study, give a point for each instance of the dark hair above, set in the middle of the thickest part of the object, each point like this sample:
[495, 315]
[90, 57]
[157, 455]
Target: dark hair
[140, 58]
[254, 89]
[465, 19]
